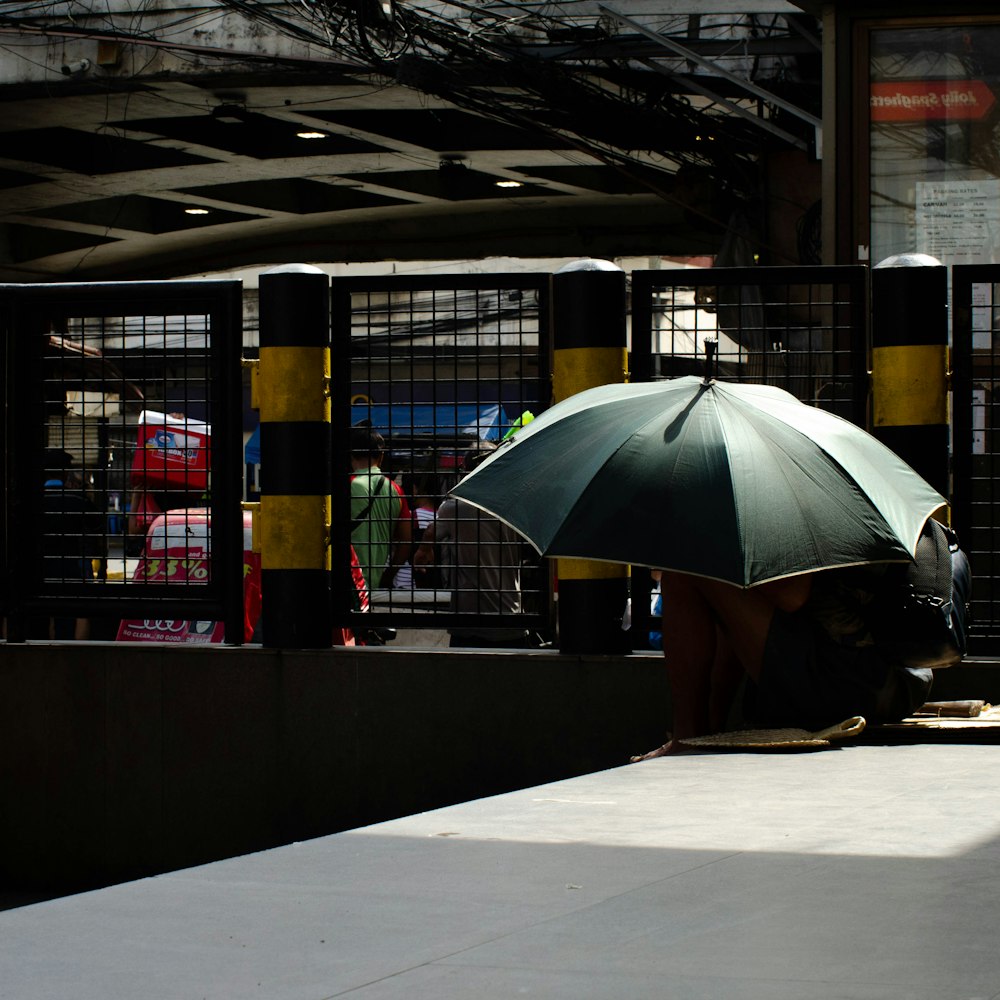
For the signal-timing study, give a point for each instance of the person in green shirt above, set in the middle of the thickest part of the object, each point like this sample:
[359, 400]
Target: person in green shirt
[375, 510]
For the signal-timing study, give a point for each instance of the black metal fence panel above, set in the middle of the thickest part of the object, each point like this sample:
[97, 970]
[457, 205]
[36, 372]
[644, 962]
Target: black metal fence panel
[804, 329]
[116, 394]
[442, 368]
[975, 448]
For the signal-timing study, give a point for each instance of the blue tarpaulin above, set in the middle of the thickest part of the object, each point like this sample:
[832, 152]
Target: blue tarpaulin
[486, 421]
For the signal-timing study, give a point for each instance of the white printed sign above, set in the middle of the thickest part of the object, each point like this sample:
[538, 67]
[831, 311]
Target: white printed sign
[958, 222]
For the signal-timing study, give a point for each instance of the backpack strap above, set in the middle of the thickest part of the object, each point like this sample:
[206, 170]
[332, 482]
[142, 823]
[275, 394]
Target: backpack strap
[363, 513]
[918, 617]
[930, 578]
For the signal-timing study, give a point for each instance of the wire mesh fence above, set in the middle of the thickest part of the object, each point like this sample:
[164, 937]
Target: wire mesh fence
[123, 401]
[975, 446]
[441, 370]
[804, 329]
[111, 393]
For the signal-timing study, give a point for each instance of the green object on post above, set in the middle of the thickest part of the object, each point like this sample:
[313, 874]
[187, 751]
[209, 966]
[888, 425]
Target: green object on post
[522, 421]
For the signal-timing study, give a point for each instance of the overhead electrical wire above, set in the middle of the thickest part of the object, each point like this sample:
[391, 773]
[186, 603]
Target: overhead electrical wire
[544, 69]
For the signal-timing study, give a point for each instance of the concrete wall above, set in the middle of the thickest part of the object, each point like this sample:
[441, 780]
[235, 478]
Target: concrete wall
[118, 762]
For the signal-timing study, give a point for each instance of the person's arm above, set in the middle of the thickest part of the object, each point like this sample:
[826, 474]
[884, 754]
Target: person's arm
[402, 544]
[438, 534]
[424, 554]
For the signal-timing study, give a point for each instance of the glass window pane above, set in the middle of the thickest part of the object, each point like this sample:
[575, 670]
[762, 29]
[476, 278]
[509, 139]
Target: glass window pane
[935, 142]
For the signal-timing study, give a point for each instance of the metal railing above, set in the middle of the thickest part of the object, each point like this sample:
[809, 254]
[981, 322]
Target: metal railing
[440, 365]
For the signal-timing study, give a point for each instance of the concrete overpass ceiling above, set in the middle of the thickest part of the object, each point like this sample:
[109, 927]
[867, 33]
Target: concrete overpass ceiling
[235, 140]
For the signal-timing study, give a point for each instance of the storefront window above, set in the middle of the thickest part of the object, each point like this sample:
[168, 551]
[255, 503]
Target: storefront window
[935, 142]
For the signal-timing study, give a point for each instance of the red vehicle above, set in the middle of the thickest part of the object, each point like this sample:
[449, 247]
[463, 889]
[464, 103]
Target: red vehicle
[177, 549]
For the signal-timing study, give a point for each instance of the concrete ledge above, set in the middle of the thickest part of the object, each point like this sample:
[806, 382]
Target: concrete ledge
[118, 762]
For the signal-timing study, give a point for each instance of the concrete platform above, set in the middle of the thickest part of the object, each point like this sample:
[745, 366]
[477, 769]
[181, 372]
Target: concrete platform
[862, 871]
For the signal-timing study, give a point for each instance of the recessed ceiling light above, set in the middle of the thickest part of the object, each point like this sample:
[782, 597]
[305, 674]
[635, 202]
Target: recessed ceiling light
[310, 135]
[509, 184]
[196, 211]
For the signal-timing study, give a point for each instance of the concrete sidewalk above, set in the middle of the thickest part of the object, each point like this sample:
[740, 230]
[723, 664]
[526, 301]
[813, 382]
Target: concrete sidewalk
[866, 871]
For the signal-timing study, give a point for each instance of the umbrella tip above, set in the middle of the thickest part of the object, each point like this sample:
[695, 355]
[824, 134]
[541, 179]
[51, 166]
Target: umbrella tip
[711, 365]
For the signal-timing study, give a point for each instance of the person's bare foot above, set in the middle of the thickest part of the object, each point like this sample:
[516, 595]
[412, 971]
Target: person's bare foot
[664, 751]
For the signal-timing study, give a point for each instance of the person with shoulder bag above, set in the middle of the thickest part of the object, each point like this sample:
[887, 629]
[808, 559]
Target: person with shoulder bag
[375, 505]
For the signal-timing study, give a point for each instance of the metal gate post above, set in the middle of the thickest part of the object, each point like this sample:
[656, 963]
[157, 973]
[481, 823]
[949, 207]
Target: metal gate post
[293, 392]
[589, 349]
[910, 362]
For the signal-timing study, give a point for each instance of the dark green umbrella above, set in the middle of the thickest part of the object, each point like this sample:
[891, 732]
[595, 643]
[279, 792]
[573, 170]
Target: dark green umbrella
[737, 482]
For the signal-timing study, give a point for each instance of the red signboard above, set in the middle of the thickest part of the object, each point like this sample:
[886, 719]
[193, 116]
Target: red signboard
[171, 453]
[930, 100]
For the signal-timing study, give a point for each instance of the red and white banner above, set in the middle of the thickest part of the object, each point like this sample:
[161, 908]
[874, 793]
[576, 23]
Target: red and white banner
[170, 630]
[930, 100]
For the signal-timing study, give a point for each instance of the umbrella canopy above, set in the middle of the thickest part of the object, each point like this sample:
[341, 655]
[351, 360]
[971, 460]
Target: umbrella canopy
[737, 482]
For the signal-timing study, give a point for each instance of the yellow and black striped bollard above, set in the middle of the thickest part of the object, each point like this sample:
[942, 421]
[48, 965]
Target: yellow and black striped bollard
[589, 349]
[293, 395]
[910, 363]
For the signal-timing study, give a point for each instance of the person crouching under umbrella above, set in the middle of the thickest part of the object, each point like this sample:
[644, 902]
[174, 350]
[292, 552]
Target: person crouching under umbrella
[799, 647]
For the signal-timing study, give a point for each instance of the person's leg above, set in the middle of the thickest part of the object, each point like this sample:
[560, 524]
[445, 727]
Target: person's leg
[708, 628]
[727, 675]
[690, 636]
[743, 617]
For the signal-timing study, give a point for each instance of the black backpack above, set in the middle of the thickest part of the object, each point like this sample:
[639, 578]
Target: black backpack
[921, 610]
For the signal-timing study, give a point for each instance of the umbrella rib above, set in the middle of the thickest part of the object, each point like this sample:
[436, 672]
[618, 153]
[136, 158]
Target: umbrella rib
[788, 460]
[734, 493]
[502, 520]
[629, 433]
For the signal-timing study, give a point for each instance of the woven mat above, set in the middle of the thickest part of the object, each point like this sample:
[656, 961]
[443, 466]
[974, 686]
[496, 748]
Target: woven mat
[778, 739]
